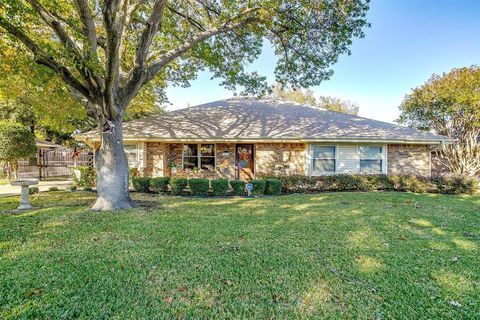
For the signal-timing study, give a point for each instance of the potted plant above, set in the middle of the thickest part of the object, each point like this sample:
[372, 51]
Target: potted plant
[173, 167]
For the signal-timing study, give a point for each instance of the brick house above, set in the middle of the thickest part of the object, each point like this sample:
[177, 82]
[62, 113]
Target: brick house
[244, 138]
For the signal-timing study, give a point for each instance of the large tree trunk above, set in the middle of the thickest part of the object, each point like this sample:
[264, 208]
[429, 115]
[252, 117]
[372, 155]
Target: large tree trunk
[112, 172]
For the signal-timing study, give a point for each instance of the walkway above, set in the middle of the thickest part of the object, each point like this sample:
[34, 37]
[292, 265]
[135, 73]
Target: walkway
[8, 190]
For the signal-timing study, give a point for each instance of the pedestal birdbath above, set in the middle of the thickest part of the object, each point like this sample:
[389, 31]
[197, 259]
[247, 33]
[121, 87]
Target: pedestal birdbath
[24, 204]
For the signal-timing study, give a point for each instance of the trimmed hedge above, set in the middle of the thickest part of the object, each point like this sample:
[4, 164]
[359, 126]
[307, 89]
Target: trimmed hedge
[219, 187]
[238, 187]
[359, 182]
[160, 184]
[141, 184]
[199, 186]
[258, 187]
[273, 186]
[178, 185]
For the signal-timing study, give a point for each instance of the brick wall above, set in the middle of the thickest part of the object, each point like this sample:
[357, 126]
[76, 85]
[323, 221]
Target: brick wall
[156, 163]
[408, 159]
[280, 158]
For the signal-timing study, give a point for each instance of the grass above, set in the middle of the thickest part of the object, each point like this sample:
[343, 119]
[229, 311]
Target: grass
[4, 181]
[342, 255]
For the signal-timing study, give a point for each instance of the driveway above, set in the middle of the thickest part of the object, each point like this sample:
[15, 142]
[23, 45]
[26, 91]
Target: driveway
[8, 190]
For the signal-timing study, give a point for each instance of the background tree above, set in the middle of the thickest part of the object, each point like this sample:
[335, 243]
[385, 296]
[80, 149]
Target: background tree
[107, 51]
[305, 96]
[35, 97]
[449, 104]
[16, 142]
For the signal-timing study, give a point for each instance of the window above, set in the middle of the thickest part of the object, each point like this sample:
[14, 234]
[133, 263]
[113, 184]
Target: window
[370, 159]
[199, 156]
[323, 159]
[131, 151]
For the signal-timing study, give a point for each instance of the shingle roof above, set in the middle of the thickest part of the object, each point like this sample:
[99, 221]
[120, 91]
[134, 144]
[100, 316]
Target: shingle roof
[242, 118]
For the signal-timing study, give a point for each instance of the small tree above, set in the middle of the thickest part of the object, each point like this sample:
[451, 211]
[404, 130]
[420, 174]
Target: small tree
[16, 142]
[449, 104]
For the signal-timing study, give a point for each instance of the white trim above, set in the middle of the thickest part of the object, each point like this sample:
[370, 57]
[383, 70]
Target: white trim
[312, 158]
[90, 139]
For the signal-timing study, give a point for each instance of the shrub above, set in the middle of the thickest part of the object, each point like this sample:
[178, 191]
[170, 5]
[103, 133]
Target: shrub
[199, 186]
[133, 173]
[88, 189]
[141, 184]
[273, 186]
[33, 190]
[258, 187]
[238, 187]
[159, 184]
[86, 177]
[178, 185]
[72, 188]
[53, 189]
[456, 184]
[16, 142]
[219, 187]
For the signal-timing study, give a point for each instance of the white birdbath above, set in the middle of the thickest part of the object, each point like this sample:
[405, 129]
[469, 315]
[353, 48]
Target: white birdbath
[24, 204]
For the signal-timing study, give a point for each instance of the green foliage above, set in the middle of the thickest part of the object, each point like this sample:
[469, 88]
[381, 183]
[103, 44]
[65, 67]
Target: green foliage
[16, 142]
[53, 189]
[72, 188]
[219, 187]
[33, 190]
[87, 189]
[238, 187]
[359, 182]
[178, 185]
[141, 184]
[86, 178]
[449, 104]
[199, 186]
[306, 97]
[273, 186]
[258, 187]
[159, 184]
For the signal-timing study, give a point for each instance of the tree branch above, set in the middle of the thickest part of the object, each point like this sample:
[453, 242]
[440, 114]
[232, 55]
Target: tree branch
[44, 59]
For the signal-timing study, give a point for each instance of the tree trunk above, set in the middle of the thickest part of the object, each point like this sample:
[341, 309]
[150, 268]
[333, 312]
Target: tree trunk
[112, 171]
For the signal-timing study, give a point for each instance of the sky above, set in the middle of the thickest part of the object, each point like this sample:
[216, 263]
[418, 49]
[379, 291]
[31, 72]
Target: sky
[408, 41]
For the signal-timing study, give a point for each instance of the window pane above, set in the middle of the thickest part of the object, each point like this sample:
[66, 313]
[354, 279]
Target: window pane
[207, 150]
[190, 162]
[324, 152]
[190, 150]
[208, 163]
[322, 166]
[369, 152]
[374, 166]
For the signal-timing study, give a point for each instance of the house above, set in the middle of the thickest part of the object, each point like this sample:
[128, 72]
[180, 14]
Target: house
[246, 138]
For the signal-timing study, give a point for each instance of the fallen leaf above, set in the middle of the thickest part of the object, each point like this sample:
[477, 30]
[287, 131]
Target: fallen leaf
[34, 292]
[182, 288]
[168, 300]
[454, 303]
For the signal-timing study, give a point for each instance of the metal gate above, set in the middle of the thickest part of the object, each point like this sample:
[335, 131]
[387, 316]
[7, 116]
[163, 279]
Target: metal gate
[54, 163]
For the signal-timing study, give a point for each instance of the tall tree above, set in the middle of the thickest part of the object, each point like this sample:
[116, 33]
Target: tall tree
[449, 104]
[305, 96]
[108, 50]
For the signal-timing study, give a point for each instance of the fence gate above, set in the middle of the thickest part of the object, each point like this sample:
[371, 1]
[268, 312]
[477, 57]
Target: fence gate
[54, 163]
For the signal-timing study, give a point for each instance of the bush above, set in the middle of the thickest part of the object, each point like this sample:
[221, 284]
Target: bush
[141, 184]
[86, 178]
[159, 184]
[178, 185]
[16, 142]
[53, 189]
[360, 182]
[33, 190]
[238, 187]
[219, 187]
[273, 186]
[72, 188]
[199, 186]
[258, 187]
[88, 189]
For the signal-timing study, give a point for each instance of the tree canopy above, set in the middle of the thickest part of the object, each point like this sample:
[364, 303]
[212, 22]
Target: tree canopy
[305, 96]
[108, 51]
[449, 104]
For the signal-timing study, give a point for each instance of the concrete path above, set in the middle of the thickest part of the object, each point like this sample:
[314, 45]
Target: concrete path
[8, 190]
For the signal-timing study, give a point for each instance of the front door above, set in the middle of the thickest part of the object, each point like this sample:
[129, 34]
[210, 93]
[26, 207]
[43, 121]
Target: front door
[244, 161]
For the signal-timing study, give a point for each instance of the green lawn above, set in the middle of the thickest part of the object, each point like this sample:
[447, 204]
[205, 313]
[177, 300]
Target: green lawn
[342, 255]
